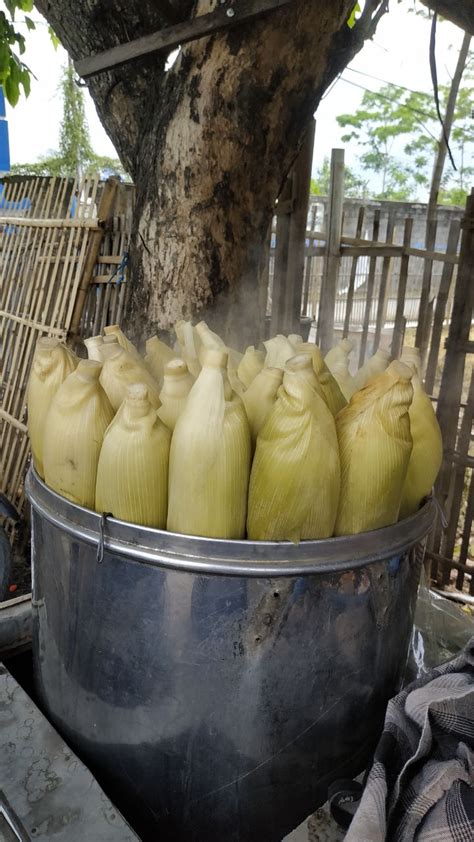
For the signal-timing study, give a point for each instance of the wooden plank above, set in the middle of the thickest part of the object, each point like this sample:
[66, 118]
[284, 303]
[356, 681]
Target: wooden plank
[399, 325]
[450, 394]
[301, 175]
[181, 33]
[309, 264]
[467, 537]
[423, 327]
[457, 480]
[440, 308]
[27, 222]
[370, 292]
[280, 263]
[353, 275]
[105, 207]
[385, 281]
[327, 302]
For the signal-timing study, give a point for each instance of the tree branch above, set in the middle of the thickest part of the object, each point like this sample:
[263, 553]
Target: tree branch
[460, 12]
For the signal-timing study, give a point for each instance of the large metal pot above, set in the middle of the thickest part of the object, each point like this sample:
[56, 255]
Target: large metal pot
[218, 687]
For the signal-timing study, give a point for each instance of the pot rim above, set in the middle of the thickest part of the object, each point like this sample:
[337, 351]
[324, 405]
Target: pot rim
[195, 554]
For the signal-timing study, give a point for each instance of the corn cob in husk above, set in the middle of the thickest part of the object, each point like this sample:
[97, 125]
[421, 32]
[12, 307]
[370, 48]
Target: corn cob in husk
[74, 429]
[210, 457]
[132, 474]
[295, 478]
[52, 363]
[375, 445]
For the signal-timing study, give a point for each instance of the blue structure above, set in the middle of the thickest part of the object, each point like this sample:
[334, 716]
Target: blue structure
[4, 142]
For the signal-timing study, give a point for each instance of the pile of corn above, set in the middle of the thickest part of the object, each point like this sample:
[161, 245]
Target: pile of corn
[275, 444]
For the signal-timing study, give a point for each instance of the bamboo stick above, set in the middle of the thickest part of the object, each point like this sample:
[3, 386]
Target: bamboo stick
[370, 292]
[353, 275]
[440, 309]
[399, 326]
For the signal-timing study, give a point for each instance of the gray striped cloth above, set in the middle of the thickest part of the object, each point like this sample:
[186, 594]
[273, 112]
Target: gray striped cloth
[421, 784]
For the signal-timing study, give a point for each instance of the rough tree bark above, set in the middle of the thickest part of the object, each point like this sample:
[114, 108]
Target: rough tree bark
[209, 142]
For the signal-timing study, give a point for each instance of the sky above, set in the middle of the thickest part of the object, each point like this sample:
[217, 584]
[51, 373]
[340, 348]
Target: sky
[398, 54]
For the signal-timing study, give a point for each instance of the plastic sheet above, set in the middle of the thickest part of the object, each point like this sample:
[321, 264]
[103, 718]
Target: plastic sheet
[441, 629]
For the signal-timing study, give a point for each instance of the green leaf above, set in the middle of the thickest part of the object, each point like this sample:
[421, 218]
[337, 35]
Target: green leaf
[30, 23]
[26, 81]
[351, 20]
[12, 90]
[54, 38]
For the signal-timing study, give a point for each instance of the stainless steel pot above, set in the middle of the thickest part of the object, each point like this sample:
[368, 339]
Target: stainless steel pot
[218, 687]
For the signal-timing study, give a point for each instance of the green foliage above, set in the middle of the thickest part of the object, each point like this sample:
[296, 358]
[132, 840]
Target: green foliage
[354, 185]
[75, 156]
[13, 71]
[74, 141]
[391, 113]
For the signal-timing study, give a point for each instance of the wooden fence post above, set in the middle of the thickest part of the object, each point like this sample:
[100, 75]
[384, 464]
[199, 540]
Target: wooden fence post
[370, 291]
[385, 281]
[103, 213]
[457, 345]
[301, 176]
[441, 304]
[327, 301]
[399, 326]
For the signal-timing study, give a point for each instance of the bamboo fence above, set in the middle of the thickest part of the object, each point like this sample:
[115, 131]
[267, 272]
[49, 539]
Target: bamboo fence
[63, 275]
[49, 238]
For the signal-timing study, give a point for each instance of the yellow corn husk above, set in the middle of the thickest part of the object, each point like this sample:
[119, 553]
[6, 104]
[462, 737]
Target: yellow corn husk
[208, 338]
[75, 426]
[109, 348]
[132, 475]
[122, 370]
[158, 355]
[343, 378]
[250, 365]
[330, 388]
[295, 339]
[93, 345]
[340, 351]
[260, 398]
[412, 357]
[189, 344]
[115, 330]
[295, 478]
[279, 350]
[210, 457]
[373, 366]
[177, 384]
[51, 365]
[375, 445]
[427, 454]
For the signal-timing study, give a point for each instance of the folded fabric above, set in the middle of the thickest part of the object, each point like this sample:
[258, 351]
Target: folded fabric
[421, 784]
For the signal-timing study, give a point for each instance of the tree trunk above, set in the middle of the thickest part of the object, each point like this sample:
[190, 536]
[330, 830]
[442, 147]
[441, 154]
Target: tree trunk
[208, 143]
[423, 327]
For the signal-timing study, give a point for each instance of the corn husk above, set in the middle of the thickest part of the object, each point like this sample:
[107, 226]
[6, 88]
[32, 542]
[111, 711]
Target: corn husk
[260, 398]
[412, 357]
[375, 445]
[427, 454]
[177, 384]
[115, 330]
[295, 339]
[376, 364]
[330, 388]
[210, 458]
[132, 474]
[109, 348]
[341, 351]
[189, 345]
[295, 478]
[337, 361]
[75, 426]
[122, 370]
[158, 354]
[51, 365]
[250, 365]
[93, 345]
[279, 350]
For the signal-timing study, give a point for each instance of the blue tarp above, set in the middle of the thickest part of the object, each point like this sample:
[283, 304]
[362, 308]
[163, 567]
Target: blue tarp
[4, 143]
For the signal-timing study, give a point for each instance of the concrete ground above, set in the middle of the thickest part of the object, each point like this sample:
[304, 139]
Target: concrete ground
[320, 827]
